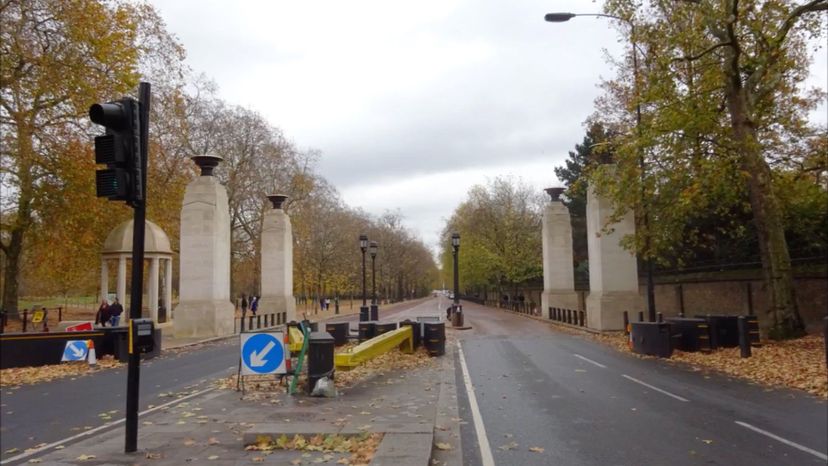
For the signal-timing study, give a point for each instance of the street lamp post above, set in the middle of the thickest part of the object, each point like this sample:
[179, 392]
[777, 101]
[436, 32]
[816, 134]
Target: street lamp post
[374, 304]
[363, 310]
[457, 311]
[645, 221]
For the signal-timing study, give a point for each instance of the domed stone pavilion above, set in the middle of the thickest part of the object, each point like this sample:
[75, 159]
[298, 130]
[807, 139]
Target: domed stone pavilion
[118, 247]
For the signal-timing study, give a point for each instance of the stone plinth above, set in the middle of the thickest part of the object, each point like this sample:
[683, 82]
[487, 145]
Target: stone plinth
[204, 308]
[613, 272]
[558, 273]
[277, 261]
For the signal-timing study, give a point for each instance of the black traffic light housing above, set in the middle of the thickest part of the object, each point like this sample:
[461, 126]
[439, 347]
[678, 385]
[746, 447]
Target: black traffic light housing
[120, 150]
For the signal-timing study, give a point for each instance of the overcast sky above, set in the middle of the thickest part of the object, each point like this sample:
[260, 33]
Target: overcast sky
[410, 103]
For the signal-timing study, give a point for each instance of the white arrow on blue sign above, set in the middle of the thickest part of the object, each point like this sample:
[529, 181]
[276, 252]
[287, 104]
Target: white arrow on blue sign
[75, 350]
[262, 353]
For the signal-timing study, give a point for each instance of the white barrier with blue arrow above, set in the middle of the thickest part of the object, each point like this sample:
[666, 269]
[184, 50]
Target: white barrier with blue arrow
[75, 350]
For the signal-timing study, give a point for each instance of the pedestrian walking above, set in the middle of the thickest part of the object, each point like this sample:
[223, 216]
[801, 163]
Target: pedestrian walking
[103, 315]
[254, 304]
[244, 304]
[115, 311]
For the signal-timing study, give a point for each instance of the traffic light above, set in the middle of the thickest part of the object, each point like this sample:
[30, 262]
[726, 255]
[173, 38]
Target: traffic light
[119, 149]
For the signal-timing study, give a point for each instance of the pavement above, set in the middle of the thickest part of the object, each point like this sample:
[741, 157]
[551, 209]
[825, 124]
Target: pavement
[211, 425]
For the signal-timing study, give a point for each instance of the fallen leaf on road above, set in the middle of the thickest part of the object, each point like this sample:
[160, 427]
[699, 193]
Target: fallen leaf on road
[189, 442]
[85, 457]
[536, 449]
[508, 446]
[153, 456]
[213, 441]
[12, 450]
[35, 460]
[442, 446]
[212, 457]
[707, 441]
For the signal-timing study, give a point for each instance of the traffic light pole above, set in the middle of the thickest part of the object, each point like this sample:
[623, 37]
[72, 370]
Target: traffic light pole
[136, 293]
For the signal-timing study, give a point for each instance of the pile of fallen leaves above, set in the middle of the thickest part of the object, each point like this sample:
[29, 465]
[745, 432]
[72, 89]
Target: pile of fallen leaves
[378, 366]
[362, 447]
[17, 376]
[260, 386]
[796, 363]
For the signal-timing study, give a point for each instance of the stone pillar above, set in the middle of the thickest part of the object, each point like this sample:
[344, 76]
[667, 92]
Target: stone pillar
[168, 288]
[558, 273]
[104, 279]
[204, 308]
[277, 261]
[613, 272]
[153, 289]
[122, 275]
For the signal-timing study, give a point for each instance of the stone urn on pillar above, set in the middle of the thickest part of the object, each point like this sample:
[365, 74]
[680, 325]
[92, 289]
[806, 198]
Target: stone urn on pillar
[558, 272]
[204, 308]
[277, 262]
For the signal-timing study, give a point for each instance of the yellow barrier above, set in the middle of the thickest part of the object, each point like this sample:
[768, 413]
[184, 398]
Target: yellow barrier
[402, 337]
[295, 339]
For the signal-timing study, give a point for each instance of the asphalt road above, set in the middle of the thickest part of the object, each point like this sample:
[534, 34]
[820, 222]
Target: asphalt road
[52, 411]
[58, 410]
[586, 404]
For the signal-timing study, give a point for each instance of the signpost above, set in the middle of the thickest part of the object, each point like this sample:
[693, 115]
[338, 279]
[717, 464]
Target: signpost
[83, 327]
[262, 353]
[75, 350]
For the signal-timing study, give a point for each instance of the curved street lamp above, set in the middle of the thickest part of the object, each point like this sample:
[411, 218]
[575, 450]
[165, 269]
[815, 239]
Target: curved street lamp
[455, 247]
[645, 220]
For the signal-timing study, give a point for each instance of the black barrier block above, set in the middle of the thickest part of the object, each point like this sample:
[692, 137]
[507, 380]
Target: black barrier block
[651, 338]
[384, 327]
[434, 336]
[339, 331]
[40, 349]
[320, 357]
[691, 334]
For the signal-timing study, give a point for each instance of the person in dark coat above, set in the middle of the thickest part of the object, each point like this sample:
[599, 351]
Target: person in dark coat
[115, 311]
[103, 315]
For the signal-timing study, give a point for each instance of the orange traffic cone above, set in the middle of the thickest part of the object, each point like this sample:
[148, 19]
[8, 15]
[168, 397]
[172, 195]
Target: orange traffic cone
[91, 358]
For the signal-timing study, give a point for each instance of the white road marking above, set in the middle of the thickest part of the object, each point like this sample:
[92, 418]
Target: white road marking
[486, 458]
[589, 360]
[819, 455]
[89, 432]
[655, 388]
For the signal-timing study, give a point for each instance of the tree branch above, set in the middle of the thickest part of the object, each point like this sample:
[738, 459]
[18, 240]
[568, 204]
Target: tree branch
[703, 53]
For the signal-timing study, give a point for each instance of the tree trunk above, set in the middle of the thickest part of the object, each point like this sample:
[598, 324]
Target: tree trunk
[767, 215]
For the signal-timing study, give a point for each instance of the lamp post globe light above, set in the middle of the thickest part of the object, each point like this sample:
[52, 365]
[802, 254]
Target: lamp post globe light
[372, 249]
[363, 310]
[648, 263]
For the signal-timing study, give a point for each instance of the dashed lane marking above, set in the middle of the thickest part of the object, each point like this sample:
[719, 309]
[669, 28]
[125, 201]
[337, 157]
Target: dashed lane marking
[799, 447]
[655, 388]
[589, 360]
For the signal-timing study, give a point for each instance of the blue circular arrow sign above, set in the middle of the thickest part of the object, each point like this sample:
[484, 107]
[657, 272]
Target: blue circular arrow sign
[262, 353]
[75, 350]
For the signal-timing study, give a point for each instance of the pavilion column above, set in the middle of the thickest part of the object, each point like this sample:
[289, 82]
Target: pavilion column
[122, 276]
[153, 289]
[168, 289]
[104, 279]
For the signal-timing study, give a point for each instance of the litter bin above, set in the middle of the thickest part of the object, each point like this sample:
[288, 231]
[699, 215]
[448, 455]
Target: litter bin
[434, 335]
[339, 331]
[320, 357]
[652, 338]
[415, 331]
[367, 330]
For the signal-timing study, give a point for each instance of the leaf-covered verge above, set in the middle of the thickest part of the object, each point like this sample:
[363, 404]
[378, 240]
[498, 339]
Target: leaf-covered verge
[798, 363]
[264, 387]
[19, 376]
[361, 447]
